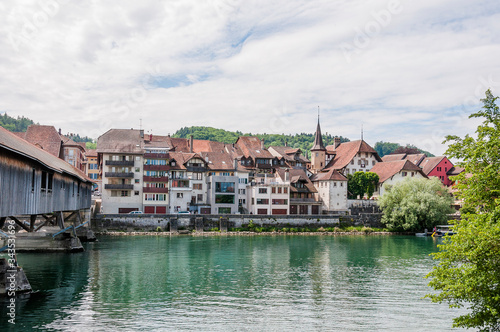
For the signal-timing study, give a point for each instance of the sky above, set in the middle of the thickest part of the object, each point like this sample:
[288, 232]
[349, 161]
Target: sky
[406, 71]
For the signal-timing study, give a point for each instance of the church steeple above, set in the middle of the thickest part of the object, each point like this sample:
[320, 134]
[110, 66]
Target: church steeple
[318, 139]
[318, 151]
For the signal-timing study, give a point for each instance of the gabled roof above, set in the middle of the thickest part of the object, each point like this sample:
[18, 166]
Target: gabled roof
[347, 151]
[20, 146]
[318, 140]
[91, 153]
[455, 171]
[120, 141]
[288, 153]
[416, 158]
[67, 142]
[385, 170]
[297, 175]
[46, 137]
[328, 175]
[393, 157]
[218, 161]
[182, 158]
[250, 146]
[429, 163]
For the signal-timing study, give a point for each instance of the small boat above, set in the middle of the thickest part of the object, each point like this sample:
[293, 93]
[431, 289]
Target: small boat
[439, 231]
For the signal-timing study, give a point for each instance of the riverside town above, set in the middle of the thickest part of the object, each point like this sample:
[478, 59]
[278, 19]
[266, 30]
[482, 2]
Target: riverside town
[229, 165]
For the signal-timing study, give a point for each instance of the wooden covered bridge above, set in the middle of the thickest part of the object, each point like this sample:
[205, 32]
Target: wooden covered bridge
[39, 190]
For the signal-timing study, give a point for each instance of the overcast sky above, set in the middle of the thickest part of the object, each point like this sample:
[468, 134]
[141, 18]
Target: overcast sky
[408, 71]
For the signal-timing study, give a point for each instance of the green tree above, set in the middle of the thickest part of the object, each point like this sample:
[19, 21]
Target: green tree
[385, 148]
[361, 183]
[468, 273]
[415, 204]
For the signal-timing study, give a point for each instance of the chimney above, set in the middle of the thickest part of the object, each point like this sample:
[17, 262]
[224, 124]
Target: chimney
[336, 141]
[60, 133]
[151, 137]
[142, 133]
[287, 175]
[286, 143]
[191, 144]
[262, 144]
[235, 164]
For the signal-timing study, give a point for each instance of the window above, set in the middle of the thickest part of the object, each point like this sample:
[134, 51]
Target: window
[224, 187]
[137, 169]
[44, 181]
[124, 193]
[373, 162]
[404, 173]
[224, 199]
[137, 158]
[280, 201]
[242, 191]
[262, 201]
[262, 190]
[197, 186]
[285, 190]
[180, 195]
[280, 190]
[224, 210]
[137, 180]
[352, 162]
[136, 193]
[245, 181]
[200, 197]
[273, 190]
[197, 176]
[335, 184]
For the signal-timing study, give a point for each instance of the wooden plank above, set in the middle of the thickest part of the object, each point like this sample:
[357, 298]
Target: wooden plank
[32, 222]
[17, 221]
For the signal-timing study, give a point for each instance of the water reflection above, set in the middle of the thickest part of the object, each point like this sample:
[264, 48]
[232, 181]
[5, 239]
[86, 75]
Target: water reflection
[269, 283]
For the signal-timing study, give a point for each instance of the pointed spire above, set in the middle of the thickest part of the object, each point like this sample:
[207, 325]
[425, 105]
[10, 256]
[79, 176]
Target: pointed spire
[318, 140]
[361, 131]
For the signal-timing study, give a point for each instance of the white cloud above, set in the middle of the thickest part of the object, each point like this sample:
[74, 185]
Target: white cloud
[252, 66]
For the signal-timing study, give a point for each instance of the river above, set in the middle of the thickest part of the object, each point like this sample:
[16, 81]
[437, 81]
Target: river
[234, 283]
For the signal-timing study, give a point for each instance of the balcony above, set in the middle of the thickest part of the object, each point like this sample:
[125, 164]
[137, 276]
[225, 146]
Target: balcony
[119, 186]
[155, 179]
[151, 190]
[118, 175]
[303, 200]
[197, 169]
[119, 163]
[264, 166]
[156, 167]
[155, 156]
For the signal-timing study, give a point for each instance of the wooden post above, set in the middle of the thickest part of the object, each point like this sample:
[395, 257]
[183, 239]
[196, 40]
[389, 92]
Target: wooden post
[173, 225]
[223, 224]
[198, 224]
[32, 222]
[60, 219]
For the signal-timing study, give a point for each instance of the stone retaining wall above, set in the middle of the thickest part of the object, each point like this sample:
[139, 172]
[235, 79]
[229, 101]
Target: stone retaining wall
[152, 222]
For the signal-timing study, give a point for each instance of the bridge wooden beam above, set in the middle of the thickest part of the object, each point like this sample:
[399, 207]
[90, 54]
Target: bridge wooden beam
[20, 223]
[32, 222]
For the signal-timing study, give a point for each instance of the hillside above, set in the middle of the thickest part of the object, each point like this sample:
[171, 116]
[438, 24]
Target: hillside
[303, 141]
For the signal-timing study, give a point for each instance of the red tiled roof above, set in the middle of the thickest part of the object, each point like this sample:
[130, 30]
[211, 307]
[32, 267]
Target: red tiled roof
[120, 141]
[12, 142]
[251, 147]
[347, 151]
[46, 137]
[429, 163]
[295, 176]
[328, 175]
[385, 170]
[218, 160]
[393, 157]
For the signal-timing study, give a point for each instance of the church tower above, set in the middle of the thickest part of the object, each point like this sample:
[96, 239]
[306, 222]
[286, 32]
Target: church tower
[318, 151]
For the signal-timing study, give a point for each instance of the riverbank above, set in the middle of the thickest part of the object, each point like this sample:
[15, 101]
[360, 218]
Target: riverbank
[248, 233]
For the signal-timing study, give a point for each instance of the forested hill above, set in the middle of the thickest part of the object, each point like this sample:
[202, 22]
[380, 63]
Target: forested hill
[302, 141]
[12, 124]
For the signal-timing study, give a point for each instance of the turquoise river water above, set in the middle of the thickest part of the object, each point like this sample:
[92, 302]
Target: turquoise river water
[233, 283]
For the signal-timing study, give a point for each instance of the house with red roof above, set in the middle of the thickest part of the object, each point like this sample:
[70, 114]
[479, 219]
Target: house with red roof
[352, 157]
[440, 167]
[331, 188]
[392, 172]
